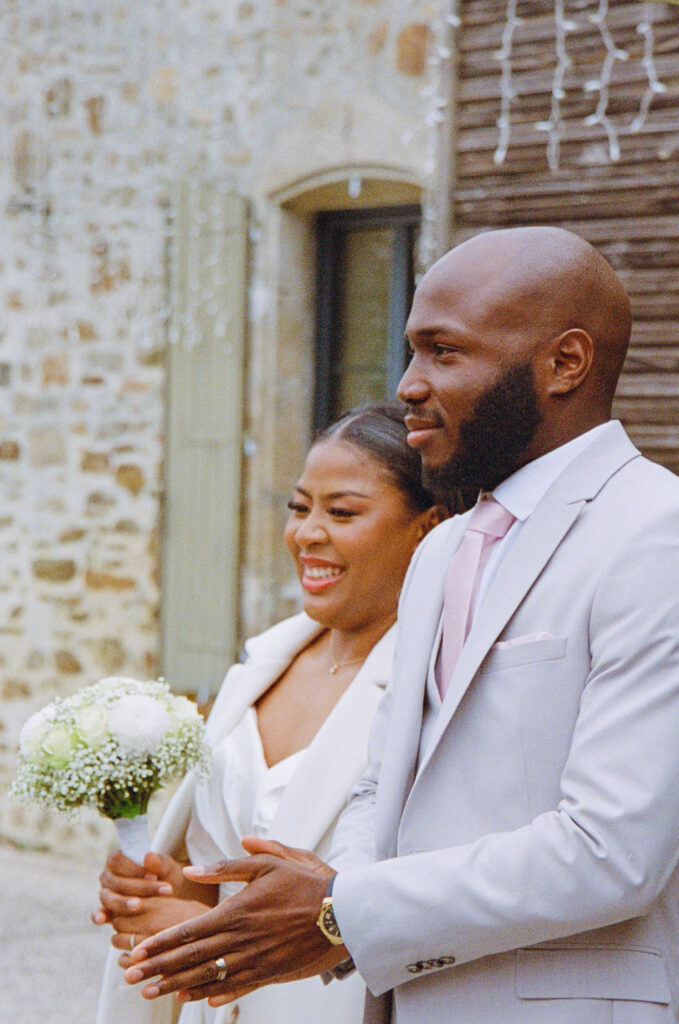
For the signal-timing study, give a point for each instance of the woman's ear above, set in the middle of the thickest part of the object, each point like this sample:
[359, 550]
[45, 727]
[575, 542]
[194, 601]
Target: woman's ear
[429, 519]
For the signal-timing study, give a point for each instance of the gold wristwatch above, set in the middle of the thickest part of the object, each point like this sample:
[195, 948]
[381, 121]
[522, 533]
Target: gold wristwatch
[326, 918]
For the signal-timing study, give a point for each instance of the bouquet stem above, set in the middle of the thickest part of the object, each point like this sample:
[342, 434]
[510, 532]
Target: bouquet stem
[133, 835]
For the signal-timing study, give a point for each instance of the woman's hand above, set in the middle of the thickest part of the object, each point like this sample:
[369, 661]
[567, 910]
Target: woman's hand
[125, 884]
[155, 914]
[160, 875]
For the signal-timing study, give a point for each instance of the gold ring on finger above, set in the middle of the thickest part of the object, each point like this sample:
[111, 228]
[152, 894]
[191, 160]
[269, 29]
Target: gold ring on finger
[220, 964]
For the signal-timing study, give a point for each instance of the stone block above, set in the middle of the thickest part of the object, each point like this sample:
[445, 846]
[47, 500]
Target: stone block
[47, 447]
[111, 654]
[58, 98]
[55, 369]
[412, 44]
[107, 581]
[66, 662]
[378, 38]
[15, 689]
[163, 84]
[9, 451]
[86, 331]
[131, 478]
[94, 462]
[69, 536]
[54, 570]
[94, 107]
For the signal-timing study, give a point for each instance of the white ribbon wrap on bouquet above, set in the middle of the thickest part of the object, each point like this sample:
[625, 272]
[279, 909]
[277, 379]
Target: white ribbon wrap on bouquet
[133, 835]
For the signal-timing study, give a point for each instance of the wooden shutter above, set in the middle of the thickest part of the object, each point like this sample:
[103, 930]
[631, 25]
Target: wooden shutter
[201, 535]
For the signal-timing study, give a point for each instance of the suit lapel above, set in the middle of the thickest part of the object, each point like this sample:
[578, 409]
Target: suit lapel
[418, 621]
[269, 654]
[539, 537]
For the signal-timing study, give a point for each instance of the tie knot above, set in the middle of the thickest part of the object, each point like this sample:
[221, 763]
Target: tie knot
[490, 518]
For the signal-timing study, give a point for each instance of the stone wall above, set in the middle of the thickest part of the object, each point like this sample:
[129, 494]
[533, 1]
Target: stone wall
[106, 107]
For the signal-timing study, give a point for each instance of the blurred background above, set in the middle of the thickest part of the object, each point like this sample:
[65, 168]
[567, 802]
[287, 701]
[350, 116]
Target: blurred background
[212, 217]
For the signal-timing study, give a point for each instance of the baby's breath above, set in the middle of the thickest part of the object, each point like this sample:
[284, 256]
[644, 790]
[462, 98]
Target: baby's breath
[69, 759]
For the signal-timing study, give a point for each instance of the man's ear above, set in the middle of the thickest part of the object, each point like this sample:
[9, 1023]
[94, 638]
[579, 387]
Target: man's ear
[569, 362]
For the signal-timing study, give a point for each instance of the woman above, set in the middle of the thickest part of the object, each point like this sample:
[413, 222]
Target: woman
[289, 728]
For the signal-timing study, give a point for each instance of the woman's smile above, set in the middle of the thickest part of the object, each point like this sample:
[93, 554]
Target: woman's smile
[318, 574]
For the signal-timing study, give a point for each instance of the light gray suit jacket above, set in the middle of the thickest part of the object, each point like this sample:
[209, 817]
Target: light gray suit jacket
[526, 861]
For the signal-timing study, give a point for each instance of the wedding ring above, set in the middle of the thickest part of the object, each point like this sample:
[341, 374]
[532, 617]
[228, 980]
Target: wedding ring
[132, 941]
[220, 964]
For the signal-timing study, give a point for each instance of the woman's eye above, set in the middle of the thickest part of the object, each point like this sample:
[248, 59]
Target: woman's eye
[342, 513]
[296, 506]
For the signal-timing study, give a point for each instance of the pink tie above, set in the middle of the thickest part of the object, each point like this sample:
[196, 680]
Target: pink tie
[487, 524]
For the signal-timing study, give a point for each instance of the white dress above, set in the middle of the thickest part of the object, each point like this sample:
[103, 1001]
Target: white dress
[296, 802]
[247, 794]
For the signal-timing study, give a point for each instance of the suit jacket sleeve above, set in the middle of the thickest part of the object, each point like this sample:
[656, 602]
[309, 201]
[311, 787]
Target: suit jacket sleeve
[602, 855]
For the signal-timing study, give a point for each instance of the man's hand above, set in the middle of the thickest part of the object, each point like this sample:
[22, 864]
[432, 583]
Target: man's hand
[265, 933]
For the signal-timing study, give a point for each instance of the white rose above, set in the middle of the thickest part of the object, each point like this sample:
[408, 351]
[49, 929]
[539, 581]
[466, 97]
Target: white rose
[116, 684]
[138, 723]
[91, 723]
[182, 710]
[34, 729]
[57, 746]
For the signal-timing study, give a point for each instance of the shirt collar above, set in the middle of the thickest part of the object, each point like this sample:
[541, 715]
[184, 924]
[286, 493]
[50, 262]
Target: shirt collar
[521, 492]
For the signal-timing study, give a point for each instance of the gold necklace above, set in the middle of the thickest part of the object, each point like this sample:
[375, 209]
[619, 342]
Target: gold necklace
[336, 665]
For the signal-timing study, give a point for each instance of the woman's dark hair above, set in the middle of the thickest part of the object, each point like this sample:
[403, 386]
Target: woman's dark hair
[379, 430]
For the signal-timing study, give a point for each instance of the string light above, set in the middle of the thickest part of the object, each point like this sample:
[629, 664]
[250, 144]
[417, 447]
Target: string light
[554, 126]
[645, 28]
[436, 95]
[504, 56]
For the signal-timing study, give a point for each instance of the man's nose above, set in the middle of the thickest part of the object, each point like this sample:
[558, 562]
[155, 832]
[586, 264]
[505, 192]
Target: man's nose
[413, 386]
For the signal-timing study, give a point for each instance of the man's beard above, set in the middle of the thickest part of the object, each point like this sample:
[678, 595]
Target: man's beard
[493, 440]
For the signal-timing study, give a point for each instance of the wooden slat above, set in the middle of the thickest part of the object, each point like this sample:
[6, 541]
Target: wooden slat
[628, 209]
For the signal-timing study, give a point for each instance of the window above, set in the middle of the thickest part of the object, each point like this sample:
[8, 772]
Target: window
[365, 287]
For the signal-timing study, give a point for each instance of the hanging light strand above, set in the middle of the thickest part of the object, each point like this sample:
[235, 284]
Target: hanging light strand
[645, 29]
[507, 93]
[554, 126]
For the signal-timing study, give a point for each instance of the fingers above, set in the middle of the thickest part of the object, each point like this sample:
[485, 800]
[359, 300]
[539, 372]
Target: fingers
[243, 870]
[100, 916]
[120, 906]
[141, 887]
[191, 966]
[218, 1000]
[254, 845]
[125, 941]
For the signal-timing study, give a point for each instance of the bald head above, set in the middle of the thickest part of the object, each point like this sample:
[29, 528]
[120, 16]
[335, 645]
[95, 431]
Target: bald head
[518, 339]
[542, 282]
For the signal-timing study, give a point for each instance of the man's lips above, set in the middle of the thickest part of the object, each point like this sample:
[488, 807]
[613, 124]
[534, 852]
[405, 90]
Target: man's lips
[420, 428]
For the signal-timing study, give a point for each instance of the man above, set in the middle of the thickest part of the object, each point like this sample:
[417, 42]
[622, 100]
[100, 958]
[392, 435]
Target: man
[511, 854]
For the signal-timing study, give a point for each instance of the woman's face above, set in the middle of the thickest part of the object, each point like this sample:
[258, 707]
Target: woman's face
[351, 533]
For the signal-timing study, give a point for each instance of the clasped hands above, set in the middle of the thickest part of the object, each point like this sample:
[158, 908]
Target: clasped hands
[265, 933]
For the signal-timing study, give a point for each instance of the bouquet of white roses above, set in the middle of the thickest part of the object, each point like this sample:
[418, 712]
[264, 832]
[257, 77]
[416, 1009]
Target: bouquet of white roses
[110, 746]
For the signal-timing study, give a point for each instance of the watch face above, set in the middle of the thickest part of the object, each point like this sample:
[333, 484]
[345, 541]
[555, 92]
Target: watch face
[329, 922]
